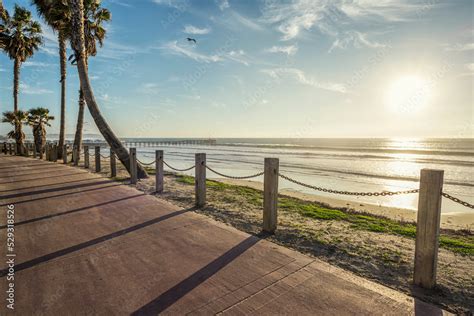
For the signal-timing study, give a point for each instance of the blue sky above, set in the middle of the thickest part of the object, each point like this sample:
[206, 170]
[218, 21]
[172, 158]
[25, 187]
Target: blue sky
[299, 68]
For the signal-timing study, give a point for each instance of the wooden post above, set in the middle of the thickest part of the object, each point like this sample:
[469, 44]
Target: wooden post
[427, 227]
[113, 165]
[65, 154]
[47, 151]
[133, 166]
[159, 171]
[270, 195]
[54, 151]
[75, 154]
[4, 148]
[27, 149]
[97, 159]
[200, 179]
[33, 147]
[86, 157]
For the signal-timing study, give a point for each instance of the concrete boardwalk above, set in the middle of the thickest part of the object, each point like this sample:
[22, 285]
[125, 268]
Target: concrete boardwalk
[85, 245]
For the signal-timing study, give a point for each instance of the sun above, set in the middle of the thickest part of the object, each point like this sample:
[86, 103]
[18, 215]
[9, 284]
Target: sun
[408, 93]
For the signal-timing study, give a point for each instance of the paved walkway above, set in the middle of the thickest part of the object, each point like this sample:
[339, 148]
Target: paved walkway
[87, 245]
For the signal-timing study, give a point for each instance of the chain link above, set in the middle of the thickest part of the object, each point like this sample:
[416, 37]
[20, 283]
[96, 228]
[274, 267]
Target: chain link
[235, 177]
[146, 164]
[383, 193]
[455, 199]
[105, 157]
[176, 169]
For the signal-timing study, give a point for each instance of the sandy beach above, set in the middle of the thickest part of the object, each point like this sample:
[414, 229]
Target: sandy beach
[448, 220]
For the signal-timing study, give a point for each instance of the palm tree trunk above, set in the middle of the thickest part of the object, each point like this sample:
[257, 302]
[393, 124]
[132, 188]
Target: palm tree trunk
[63, 62]
[80, 121]
[77, 9]
[16, 83]
[38, 140]
[16, 87]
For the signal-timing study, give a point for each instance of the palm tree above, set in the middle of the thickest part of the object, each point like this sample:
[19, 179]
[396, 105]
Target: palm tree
[79, 44]
[38, 119]
[17, 119]
[57, 14]
[23, 40]
[94, 32]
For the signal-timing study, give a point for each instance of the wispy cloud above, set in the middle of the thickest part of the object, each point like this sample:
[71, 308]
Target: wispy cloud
[149, 88]
[27, 89]
[289, 50]
[460, 47]
[223, 4]
[335, 17]
[191, 29]
[120, 3]
[239, 56]
[37, 64]
[172, 3]
[253, 25]
[302, 78]
[355, 39]
[176, 49]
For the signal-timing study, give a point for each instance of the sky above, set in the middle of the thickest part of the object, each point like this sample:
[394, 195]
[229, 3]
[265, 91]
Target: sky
[268, 68]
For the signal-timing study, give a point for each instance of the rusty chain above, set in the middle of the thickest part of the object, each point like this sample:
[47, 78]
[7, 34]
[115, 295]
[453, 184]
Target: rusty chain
[383, 193]
[176, 169]
[235, 177]
[455, 199]
[146, 164]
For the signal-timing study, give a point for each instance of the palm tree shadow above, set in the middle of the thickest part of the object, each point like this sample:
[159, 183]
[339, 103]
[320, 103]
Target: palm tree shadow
[171, 296]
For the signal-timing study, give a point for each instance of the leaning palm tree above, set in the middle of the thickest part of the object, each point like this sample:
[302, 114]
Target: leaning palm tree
[17, 119]
[94, 33]
[57, 14]
[79, 44]
[24, 39]
[38, 119]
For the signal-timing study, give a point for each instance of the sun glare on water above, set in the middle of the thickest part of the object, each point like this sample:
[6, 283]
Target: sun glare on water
[408, 94]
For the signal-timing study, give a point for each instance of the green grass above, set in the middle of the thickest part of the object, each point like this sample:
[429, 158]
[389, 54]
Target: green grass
[460, 242]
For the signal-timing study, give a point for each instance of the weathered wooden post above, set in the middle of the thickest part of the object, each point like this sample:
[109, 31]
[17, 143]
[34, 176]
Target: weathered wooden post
[54, 153]
[86, 157]
[75, 155]
[10, 148]
[427, 227]
[65, 154]
[270, 195]
[113, 164]
[200, 179]
[47, 151]
[97, 159]
[133, 166]
[27, 149]
[33, 147]
[4, 148]
[159, 171]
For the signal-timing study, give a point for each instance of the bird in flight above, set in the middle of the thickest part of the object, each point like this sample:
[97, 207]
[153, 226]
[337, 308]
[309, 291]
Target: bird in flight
[191, 40]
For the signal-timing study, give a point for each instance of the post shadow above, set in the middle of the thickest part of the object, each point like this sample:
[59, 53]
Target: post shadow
[41, 178]
[34, 262]
[71, 187]
[63, 194]
[37, 219]
[171, 296]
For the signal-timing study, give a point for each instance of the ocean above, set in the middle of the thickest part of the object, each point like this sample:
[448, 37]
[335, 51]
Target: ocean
[372, 165]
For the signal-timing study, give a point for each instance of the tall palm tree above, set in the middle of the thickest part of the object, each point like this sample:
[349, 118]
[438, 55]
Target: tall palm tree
[24, 39]
[57, 14]
[94, 33]
[38, 119]
[79, 44]
[17, 119]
